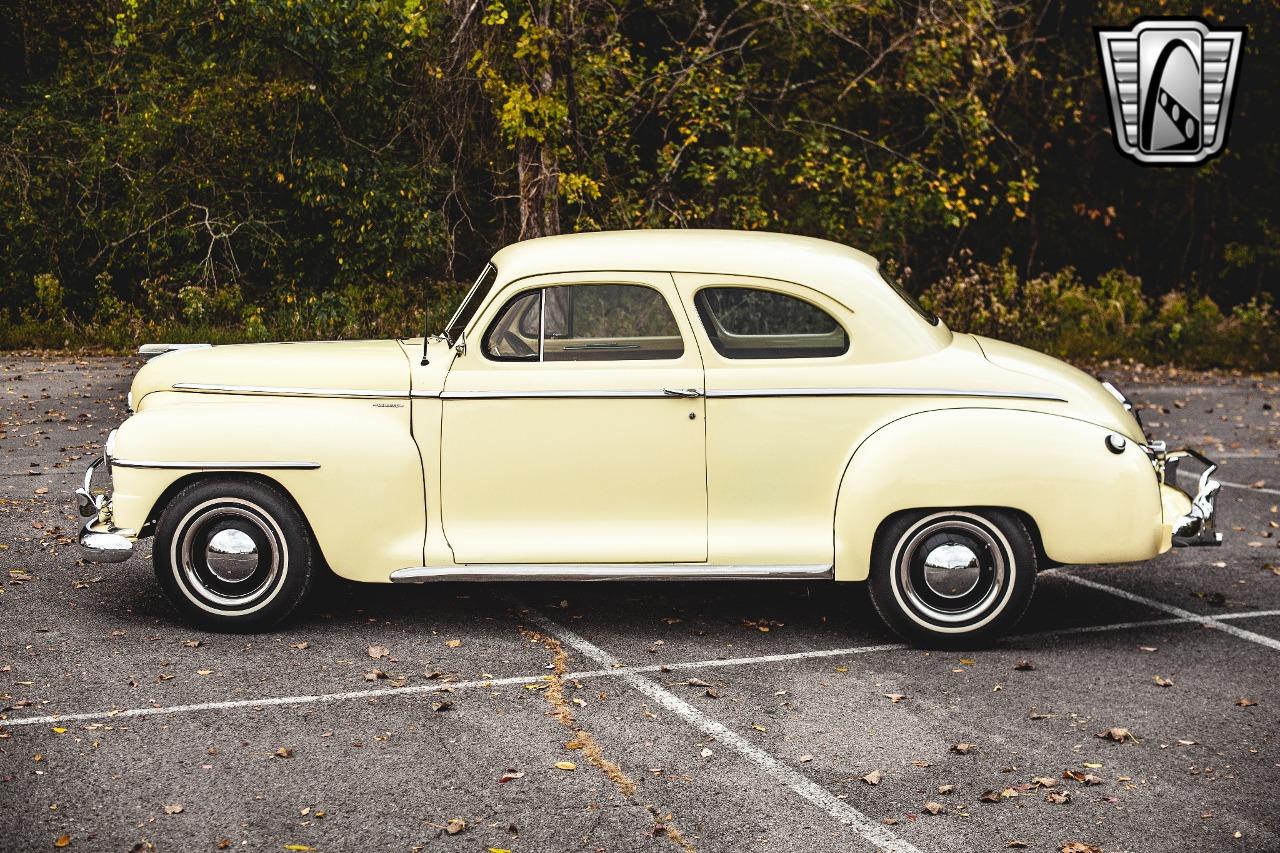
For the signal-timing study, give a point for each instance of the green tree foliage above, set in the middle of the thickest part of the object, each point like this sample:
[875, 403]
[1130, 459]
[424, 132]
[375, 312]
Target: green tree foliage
[288, 165]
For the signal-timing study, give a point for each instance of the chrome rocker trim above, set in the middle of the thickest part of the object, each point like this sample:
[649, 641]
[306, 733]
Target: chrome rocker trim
[609, 572]
[1198, 526]
[100, 541]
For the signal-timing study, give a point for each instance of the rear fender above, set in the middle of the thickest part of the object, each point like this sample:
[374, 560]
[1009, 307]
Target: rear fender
[1089, 504]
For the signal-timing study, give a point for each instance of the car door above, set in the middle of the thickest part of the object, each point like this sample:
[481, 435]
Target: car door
[573, 426]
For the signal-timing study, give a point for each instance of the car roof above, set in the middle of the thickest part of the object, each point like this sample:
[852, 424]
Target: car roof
[880, 318]
[699, 250]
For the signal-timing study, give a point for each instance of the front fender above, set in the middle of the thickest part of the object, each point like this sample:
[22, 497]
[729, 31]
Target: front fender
[1090, 505]
[364, 501]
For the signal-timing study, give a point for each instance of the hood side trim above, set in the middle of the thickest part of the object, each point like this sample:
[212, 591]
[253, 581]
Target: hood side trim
[282, 391]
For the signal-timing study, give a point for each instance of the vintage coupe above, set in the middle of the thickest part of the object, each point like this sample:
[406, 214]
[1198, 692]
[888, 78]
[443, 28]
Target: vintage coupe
[636, 406]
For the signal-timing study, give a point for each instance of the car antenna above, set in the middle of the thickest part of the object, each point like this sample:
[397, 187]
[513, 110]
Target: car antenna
[426, 336]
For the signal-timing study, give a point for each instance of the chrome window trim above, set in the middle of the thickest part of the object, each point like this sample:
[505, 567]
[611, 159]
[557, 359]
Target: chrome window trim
[286, 391]
[609, 572]
[275, 465]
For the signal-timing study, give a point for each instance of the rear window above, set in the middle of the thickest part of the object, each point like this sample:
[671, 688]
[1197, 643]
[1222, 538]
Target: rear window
[749, 322]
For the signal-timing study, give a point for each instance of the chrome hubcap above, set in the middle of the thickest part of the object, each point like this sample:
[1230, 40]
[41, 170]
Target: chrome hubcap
[231, 555]
[952, 570]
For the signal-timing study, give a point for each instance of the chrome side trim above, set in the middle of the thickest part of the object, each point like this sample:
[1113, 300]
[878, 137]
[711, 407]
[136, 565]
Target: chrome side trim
[609, 572]
[553, 395]
[216, 466]
[285, 391]
[737, 393]
[881, 392]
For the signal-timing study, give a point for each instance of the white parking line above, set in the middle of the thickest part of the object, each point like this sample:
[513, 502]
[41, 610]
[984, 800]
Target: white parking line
[433, 687]
[1215, 622]
[871, 830]
[1193, 475]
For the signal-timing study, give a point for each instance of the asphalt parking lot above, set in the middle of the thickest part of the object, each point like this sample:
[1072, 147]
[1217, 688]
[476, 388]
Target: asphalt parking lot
[602, 717]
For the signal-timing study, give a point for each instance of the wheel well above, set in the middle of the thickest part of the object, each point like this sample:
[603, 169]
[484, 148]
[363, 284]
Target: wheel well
[1043, 560]
[153, 517]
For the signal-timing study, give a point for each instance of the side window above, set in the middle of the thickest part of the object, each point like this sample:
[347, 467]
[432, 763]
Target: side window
[585, 322]
[513, 335]
[747, 322]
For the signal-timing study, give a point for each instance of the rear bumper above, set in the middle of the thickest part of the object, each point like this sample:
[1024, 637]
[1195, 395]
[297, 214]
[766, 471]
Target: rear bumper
[1197, 524]
[101, 541]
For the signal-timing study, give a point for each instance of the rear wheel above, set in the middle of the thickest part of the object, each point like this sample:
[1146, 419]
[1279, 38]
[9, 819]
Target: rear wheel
[233, 554]
[952, 578]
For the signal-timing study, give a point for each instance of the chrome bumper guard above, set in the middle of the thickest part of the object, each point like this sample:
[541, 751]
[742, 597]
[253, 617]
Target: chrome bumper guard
[1198, 526]
[100, 541]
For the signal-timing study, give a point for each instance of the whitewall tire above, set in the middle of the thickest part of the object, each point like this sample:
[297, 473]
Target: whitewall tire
[233, 554]
[953, 577]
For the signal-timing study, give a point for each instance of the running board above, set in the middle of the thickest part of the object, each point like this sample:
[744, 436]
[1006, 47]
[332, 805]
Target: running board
[609, 572]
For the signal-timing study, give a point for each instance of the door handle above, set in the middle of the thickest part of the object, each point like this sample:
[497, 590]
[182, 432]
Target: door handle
[682, 392]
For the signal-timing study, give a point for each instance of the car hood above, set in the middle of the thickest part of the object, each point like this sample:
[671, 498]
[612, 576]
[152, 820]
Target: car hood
[319, 366]
[1089, 400]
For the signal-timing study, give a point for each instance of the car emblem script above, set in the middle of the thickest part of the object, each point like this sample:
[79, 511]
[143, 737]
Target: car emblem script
[1169, 84]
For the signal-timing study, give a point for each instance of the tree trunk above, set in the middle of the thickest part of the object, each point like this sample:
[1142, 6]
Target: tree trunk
[537, 163]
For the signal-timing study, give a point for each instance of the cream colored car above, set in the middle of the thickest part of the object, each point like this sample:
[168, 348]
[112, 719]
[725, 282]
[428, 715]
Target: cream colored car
[637, 406]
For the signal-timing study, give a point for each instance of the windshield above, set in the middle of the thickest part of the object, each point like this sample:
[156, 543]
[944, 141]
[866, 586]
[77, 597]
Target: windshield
[907, 297]
[471, 303]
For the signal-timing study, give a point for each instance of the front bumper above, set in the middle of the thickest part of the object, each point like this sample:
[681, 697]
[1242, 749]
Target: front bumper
[1196, 526]
[100, 540]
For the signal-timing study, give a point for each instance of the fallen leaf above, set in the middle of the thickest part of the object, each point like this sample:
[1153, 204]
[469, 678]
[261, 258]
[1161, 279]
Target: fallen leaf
[944, 790]
[1078, 847]
[895, 698]
[989, 796]
[842, 669]
[934, 808]
[175, 808]
[191, 644]
[453, 644]
[283, 752]
[1018, 844]
[706, 753]
[1090, 779]
[712, 693]
[1161, 681]
[962, 748]
[374, 674]
[873, 778]
[300, 646]
[510, 776]
[566, 765]
[1045, 782]
[695, 682]
[1246, 703]
[1024, 666]
[1074, 775]
[59, 730]
[441, 705]
[298, 848]
[376, 652]
[1057, 797]
[454, 825]
[758, 727]
[204, 672]
[805, 759]
[1117, 734]
[62, 841]
[1147, 648]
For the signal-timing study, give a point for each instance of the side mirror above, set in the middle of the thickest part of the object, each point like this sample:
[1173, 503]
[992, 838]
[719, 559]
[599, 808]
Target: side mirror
[461, 346]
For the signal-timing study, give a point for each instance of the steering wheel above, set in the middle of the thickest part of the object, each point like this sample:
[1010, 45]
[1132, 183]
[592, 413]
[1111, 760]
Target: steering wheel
[516, 345]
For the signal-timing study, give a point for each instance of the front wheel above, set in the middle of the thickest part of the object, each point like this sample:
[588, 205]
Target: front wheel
[952, 578]
[233, 554]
